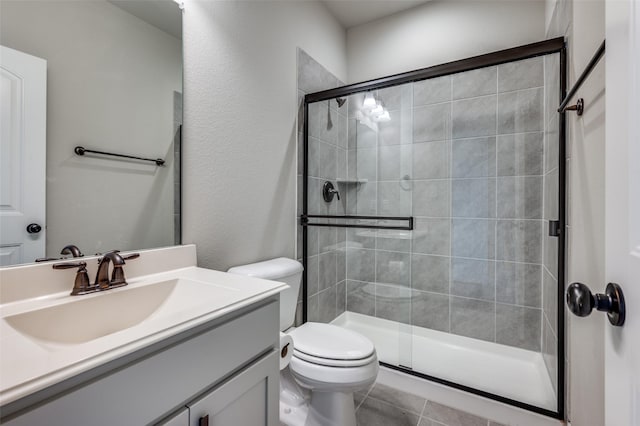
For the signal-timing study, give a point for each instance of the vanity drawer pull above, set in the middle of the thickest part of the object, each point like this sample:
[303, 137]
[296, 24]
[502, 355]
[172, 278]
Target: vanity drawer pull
[204, 421]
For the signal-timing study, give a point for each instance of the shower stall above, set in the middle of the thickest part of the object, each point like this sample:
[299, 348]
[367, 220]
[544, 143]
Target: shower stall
[432, 221]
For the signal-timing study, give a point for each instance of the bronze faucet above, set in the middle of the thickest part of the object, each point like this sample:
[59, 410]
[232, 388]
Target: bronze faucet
[82, 285]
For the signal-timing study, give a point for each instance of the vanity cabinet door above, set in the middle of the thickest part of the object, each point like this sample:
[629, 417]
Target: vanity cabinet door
[249, 398]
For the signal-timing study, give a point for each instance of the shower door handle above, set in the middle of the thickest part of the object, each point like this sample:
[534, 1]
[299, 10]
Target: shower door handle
[581, 302]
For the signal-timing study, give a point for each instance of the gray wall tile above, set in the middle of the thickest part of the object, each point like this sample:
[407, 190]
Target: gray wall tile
[394, 161]
[520, 155]
[391, 97]
[431, 160]
[327, 305]
[431, 123]
[393, 303]
[430, 310]
[523, 74]
[393, 199]
[470, 84]
[341, 297]
[364, 238]
[550, 251]
[312, 308]
[550, 300]
[431, 198]
[518, 326]
[432, 91]
[327, 239]
[366, 160]
[551, 197]
[360, 264]
[473, 278]
[550, 353]
[430, 273]
[551, 144]
[431, 236]
[520, 197]
[321, 119]
[361, 297]
[473, 238]
[519, 240]
[326, 270]
[519, 283]
[313, 77]
[393, 240]
[393, 268]
[473, 157]
[360, 135]
[473, 117]
[473, 197]
[312, 275]
[389, 133]
[520, 111]
[473, 318]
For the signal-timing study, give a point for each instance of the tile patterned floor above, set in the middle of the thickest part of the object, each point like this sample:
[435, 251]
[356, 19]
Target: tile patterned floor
[382, 405]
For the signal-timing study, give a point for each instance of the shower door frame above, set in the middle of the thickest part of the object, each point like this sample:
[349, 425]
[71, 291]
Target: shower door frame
[542, 48]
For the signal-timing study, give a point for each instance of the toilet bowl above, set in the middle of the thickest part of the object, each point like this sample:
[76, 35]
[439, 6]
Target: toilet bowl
[329, 363]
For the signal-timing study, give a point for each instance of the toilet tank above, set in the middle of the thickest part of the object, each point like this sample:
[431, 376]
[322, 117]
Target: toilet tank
[281, 269]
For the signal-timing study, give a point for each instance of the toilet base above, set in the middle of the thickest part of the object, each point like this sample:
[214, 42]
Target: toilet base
[300, 407]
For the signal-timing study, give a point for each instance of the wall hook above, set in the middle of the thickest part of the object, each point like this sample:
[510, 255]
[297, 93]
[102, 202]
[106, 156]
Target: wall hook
[578, 107]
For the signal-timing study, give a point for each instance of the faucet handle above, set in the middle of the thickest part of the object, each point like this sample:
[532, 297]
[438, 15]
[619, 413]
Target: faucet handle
[117, 276]
[81, 284]
[72, 250]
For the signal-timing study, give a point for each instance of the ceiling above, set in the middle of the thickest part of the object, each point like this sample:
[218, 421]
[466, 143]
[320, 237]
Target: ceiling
[351, 13]
[162, 14]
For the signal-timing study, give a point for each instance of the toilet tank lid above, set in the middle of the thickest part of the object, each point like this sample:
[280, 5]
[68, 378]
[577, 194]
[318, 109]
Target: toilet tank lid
[269, 269]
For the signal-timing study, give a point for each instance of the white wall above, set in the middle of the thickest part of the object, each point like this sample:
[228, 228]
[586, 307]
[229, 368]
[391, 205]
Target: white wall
[441, 31]
[240, 109]
[582, 22]
[111, 79]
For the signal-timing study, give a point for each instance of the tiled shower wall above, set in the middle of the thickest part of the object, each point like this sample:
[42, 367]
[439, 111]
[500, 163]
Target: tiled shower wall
[464, 155]
[327, 161]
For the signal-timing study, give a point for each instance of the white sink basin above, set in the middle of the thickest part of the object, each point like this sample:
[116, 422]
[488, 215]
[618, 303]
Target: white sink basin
[85, 318]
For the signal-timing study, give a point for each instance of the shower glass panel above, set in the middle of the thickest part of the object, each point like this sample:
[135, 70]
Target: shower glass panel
[469, 297]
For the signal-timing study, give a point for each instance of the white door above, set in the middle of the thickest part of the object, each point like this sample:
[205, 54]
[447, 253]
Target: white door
[23, 97]
[622, 210]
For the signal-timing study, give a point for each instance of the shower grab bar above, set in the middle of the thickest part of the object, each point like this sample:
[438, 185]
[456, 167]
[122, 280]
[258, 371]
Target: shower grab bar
[304, 221]
[579, 107]
[80, 150]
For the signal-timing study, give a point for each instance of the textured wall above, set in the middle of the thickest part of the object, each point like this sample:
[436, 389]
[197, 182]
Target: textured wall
[583, 25]
[240, 109]
[441, 31]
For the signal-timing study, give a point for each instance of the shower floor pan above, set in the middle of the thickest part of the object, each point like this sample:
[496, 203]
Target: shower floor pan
[502, 370]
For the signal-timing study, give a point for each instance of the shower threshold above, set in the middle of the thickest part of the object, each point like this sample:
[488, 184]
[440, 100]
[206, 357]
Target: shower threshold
[513, 373]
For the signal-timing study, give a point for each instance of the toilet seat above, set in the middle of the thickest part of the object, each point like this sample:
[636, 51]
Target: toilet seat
[333, 362]
[326, 378]
[330, 345]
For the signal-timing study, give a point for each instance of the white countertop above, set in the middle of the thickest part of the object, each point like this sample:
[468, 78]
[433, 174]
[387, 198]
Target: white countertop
[29, 364]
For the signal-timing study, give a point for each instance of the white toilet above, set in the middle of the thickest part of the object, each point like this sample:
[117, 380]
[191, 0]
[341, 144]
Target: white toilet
[329, 363]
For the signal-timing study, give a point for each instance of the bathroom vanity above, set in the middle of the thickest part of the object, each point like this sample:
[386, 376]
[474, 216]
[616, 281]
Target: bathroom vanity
[186, 346]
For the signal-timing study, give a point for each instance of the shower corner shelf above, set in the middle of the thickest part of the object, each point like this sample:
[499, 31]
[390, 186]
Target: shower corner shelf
[351, 181]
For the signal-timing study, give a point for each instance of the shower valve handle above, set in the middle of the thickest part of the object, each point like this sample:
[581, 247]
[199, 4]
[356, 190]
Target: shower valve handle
[581, 302]
[328, 191]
